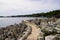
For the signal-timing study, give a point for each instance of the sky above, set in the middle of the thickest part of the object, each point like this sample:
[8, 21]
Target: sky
[22, 7]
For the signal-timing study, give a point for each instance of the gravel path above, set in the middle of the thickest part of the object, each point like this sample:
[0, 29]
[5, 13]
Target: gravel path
[35, 33]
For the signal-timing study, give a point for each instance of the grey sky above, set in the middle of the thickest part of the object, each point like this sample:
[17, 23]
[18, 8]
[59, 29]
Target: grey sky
[21, 7]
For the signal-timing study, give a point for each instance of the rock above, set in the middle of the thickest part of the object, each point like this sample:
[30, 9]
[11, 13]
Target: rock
[50, 37]
[7, 39]
[40, 38]
[57, 29]
[48, 31]
[53, 37]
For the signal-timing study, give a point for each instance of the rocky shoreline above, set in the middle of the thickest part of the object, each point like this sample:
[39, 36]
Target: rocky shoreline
[49, 29]
[15, 32]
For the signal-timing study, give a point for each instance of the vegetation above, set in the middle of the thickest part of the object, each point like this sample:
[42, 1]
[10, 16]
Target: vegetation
[55, 13]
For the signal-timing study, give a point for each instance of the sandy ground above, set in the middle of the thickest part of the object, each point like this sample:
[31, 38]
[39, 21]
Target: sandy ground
[35, 33]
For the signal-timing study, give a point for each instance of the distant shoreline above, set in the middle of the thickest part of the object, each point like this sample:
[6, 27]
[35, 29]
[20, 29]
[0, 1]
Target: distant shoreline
[55, 13]
[23, 17]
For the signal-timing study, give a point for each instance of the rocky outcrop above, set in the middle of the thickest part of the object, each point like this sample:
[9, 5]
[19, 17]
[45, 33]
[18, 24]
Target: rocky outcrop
[26, 33]
[49, 31]
[15, 32]
[49, 28]
[53, 37]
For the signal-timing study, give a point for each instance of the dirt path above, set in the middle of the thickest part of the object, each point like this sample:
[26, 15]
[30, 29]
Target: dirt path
[35, 33]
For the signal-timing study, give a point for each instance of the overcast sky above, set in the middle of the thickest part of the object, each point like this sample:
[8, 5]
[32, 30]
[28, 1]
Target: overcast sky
[21, 7]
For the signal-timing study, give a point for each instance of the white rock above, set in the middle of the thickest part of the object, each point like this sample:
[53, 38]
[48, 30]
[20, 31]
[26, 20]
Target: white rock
[50, 37]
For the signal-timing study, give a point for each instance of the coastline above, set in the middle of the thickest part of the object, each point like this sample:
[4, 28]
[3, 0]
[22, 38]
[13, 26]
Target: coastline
[34, 29]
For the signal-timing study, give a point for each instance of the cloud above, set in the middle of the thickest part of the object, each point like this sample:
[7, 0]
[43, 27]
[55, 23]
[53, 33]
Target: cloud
[15, 7]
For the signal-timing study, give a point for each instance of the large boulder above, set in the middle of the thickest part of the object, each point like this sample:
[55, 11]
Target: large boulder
[48, 31]
[53, 37]
[50, 37]
[57, 29]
